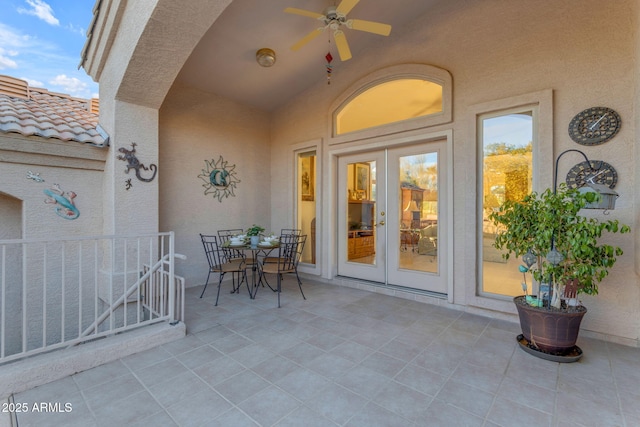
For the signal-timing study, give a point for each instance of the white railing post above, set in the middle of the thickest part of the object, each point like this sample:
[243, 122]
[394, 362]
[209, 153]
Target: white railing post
[3, 284]
[172, 285]
[63, 323]
[46, 285]
[44, 296]
[24, 297]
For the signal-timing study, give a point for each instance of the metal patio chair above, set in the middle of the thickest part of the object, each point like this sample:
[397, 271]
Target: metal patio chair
[428, 242]
[283, 232]
[294, 231]
[233, 254]
[219, 263]
[289, 253]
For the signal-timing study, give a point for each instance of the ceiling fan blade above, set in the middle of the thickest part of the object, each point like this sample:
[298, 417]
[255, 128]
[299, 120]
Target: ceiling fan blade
[303, 12]
[369, 26]
[345, 6]
[343, 46]
[306, 39]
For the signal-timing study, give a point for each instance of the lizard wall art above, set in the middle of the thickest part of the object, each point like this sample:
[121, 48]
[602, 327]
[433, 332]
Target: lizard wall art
[65, 207]
[129, 156]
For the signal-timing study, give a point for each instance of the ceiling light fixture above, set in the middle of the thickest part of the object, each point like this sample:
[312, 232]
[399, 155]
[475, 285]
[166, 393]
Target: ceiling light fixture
[266, 57]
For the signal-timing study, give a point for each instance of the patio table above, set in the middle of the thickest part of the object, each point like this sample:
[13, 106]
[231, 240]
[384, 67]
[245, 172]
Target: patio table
[263, 248]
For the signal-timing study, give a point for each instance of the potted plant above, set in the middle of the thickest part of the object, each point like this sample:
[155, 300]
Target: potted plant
[254, 233]
[562, 253]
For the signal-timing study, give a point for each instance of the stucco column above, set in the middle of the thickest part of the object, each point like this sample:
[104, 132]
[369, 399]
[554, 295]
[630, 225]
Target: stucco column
[135, 51]
[131, 204]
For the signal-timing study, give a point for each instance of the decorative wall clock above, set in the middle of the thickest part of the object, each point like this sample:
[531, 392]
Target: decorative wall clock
[598, 172]
[594, 126]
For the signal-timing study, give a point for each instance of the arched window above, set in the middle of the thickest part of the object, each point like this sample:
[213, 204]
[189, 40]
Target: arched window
[389, 102]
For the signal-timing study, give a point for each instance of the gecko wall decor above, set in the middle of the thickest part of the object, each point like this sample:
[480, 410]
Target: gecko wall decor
[34, 176]
[129, 156]
[65, 206]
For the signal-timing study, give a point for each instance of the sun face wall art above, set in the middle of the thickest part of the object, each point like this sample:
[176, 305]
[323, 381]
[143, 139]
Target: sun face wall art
[220, 179]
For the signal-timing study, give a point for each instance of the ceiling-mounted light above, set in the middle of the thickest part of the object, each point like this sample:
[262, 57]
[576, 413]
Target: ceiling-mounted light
[266, 57]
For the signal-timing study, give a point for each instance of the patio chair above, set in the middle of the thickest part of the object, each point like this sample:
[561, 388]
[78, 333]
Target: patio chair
[224, 236]
[294, 231]
[219, 263]
[289, 253]
[234, 255]
[274, 259]
[428, 243]
[283, 232]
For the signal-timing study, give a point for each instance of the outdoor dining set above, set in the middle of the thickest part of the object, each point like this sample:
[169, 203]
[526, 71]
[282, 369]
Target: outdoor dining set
[233, 251]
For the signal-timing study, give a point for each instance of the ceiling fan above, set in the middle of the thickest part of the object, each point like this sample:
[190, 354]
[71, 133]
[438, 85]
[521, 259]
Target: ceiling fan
[334, 18]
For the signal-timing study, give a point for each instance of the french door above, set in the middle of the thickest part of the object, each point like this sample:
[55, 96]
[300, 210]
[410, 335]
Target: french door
[392, 216]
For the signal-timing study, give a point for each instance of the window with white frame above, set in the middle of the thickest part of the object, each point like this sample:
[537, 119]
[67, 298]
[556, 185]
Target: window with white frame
[388, 102]
[507, 146]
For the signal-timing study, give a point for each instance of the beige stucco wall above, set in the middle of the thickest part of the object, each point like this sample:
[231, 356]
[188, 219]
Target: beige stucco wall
[11, 214]
[581, 50]
[72, 165]
[75, 167]
[196, 127]
[134, 77]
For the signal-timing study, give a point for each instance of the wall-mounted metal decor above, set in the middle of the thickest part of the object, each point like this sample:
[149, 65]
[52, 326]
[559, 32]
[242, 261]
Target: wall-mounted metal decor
[594, 126]
[34, 176]
[220, 178]
[592, 172]
[65, 207]
[129, 156]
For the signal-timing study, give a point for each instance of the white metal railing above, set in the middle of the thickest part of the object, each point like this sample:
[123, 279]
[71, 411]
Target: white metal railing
[58, 293]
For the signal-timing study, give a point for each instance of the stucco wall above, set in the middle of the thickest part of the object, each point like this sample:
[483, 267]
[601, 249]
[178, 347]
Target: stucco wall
[196, 127]
[24, 214]
[582, 50]
[73, 171]
[11, 214]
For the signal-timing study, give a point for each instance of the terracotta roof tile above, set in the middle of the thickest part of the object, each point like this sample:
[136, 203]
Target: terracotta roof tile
[48, 114]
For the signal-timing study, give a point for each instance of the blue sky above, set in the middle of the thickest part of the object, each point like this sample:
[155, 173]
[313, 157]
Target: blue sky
[41, 41]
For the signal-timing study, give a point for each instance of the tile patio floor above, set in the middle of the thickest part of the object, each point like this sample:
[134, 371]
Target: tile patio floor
[345, 357]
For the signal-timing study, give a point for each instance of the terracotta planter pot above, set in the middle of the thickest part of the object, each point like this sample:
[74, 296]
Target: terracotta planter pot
[553, 331]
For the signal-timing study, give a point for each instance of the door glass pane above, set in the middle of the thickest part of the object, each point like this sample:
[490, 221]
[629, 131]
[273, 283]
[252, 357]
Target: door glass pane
[418, 212]
[306, 220]
[506, 175]
[361, 212]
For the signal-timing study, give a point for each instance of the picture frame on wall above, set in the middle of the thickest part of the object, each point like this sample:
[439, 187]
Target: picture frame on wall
[307, 178]
[362, 180]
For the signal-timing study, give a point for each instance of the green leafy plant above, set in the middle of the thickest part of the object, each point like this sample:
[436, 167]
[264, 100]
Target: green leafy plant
[254, 230]
[542, 221]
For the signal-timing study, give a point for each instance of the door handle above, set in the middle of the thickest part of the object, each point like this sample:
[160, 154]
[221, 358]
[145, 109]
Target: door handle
[381, 223]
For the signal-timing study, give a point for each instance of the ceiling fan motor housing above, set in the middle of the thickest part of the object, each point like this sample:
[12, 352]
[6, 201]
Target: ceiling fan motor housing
[331, 16]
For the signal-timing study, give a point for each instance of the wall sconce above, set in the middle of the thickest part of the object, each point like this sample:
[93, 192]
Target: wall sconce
[266, 57]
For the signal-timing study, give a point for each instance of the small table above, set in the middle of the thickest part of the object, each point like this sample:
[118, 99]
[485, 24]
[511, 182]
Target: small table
[255, 250]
